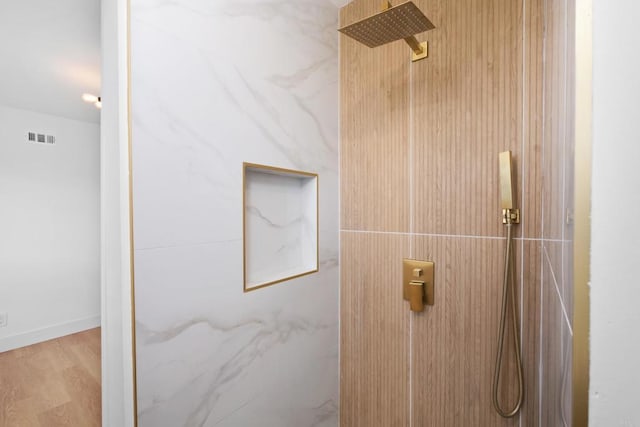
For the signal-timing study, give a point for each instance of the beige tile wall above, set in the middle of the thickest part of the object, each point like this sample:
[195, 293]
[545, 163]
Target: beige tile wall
[419, 175]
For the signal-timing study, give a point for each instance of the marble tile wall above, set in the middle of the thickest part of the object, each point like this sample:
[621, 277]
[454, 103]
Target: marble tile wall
[217, 83]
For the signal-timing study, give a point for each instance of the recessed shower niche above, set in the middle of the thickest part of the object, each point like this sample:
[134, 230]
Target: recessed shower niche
[280, 208]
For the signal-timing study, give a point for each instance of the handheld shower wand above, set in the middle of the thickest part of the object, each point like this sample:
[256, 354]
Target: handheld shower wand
[510, 216]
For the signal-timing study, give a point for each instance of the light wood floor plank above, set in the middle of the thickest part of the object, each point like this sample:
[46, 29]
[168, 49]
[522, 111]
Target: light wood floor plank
[53, 383]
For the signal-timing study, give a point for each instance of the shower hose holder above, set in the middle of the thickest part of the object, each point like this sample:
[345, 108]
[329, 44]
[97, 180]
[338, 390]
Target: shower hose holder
[511, 216]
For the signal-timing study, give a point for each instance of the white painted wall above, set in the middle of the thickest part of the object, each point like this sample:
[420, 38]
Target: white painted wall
[49, 228]
[117, 360]
[615, 284]
[50, 55]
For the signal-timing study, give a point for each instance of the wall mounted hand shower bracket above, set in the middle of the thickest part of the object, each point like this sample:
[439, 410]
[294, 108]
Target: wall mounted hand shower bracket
[511, 216]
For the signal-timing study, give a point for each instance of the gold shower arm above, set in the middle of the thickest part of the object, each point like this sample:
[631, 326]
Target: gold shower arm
[420, 50]
[414, 44]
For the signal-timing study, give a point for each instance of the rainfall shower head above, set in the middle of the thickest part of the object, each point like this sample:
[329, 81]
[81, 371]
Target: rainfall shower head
[394, 23]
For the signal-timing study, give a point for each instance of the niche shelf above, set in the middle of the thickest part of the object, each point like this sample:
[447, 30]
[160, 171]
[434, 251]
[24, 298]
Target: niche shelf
[280, 220]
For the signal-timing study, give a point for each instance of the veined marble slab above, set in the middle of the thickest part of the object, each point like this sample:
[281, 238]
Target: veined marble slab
[215, 84]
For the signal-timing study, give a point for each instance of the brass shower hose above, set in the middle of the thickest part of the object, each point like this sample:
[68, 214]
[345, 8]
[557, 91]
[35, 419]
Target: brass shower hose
[509, 276]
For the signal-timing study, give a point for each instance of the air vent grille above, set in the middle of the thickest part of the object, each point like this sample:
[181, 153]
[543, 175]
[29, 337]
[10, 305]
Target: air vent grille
[41, 138]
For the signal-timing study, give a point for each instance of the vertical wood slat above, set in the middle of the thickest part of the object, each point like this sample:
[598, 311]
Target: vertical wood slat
[530, 265]
[554, 118]
[374, 331]
[531, 191]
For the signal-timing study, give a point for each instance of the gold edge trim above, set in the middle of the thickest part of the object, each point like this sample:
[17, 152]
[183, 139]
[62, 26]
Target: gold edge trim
[296, 276]
[582, 224]
[317, 223]
[131, 243]
[277, 169]
[256, 166]
[244, 225]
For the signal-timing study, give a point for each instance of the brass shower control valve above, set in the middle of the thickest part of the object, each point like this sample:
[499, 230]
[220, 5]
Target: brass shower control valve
[417, 286]
[511, 216]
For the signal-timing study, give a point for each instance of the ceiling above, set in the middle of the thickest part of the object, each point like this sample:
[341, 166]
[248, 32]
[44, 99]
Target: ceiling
[50, 56]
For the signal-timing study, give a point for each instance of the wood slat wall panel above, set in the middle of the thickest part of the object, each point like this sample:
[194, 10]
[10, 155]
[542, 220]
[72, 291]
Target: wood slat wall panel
[530, 266]
[569, 167]
[555, 118]
[374, 331]
[569, 164]
[557, 196]
[531, 161]
[551, 356]
[454, 342]
[467, 106]
[485, 88]
[374, 131]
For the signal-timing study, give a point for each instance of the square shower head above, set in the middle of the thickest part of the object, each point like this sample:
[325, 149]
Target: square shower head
[395, 23]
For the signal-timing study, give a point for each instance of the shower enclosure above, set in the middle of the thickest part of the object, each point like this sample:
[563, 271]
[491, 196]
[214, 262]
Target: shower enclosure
[420, 180]
[402, 154]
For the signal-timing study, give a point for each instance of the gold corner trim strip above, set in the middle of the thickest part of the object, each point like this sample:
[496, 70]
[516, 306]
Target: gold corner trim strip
[256, 166]
[131, 242]
[284, 279]
[582, 224]
[247, 165]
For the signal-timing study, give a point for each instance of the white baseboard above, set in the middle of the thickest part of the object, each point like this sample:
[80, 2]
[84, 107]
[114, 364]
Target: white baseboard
[50, 332]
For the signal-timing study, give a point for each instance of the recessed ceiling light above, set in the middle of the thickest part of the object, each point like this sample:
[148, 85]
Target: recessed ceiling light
[95, 100]
[87, 97]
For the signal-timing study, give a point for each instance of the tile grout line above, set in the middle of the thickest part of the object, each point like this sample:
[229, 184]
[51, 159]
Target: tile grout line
[564, 150]
[411, 238]
[540, 365]
[460, 236]
[542, 204]
[397, 233]
[340, 59]
[523, 179]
